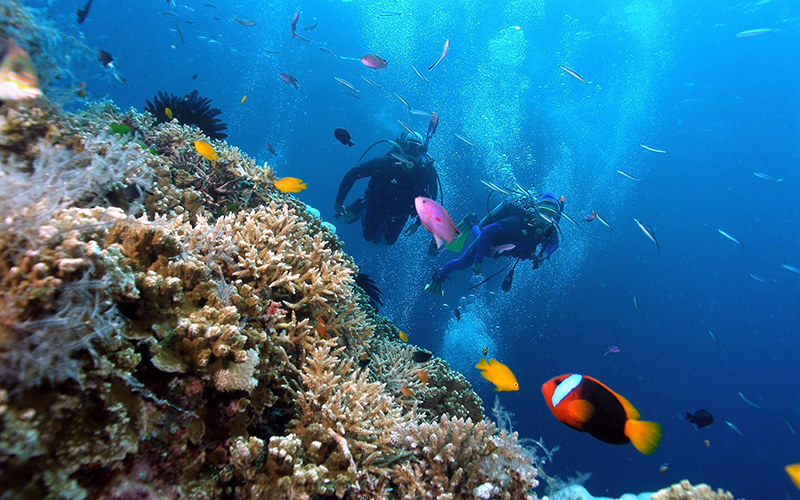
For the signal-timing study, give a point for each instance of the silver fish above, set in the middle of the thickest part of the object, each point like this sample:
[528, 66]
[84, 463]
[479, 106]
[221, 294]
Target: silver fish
[421, 77]
[367, 79]
[597, 216]
[629, 176]
[402, 100]
[736, 429]
[419, 112]
[573, 74]
[178, 31]
[351, 94]
[327, 51]
[725, 234]
[748, 401]
[791, 268]
[648, 231]
[345, 83]
[762, 280]
[636, 305]
[389, 14]
[564, 214]
[463, 139]
[751, 33]
[309, 28]
[654, 150]
[767, 177]
[441, 57]
[716, 341]
[408, 129]
[791, 427]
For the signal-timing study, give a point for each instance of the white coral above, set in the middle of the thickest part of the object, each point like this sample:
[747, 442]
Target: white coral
[238, 376]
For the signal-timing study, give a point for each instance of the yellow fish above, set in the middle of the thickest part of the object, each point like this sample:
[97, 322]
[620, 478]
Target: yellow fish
[168, 112]
[206, 150]
[290, 185]
[403, 336]
[18, 79]
[242, 101]
[794, 472]
[498, 374]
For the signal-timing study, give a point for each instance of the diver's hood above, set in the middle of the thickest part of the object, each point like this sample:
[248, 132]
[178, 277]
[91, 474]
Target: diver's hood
[412, 146]
[549, 206]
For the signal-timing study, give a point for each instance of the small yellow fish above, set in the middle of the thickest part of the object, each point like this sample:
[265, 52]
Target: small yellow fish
[794, 472]
[498, 374]
[485, 350]
[242, 101]
[403, 336]
[168, 112]
[206, 150]
[290, 185]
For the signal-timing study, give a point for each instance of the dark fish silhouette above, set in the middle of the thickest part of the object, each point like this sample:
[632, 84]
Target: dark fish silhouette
[194, 76]
[105, 58]
[700, 418]
[82, 13]
[422, 356]
[343, 136]
[457, 314]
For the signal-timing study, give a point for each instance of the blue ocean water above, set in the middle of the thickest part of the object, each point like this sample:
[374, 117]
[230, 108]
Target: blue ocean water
[671, 75]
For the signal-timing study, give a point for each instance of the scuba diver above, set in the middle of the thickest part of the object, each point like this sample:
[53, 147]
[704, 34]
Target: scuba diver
[396, 178]
[522, 226]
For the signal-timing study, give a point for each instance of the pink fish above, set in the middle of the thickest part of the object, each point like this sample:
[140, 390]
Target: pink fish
[286, 77]
[294, 23]
[374, 62]
[434, 122]
[271, 149]
[503, 248]
[435, 220]
[589, 218]
[611, 349]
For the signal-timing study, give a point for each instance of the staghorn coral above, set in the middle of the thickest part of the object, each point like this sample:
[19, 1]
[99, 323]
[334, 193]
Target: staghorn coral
[685, 491]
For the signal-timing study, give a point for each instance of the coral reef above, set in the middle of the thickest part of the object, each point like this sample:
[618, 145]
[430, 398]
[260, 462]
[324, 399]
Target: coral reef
[172, 328]
[685, 491]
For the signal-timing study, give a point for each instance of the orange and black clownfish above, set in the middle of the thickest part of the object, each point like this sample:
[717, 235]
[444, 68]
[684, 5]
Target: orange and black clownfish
[587, 405]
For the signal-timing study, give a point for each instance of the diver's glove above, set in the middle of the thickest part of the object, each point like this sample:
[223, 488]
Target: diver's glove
[472, 219]
[412, 228]
[344, 215]
[435, 286]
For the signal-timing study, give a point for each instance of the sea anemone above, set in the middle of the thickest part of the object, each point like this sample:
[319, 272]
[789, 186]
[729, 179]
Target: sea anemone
[190, 109]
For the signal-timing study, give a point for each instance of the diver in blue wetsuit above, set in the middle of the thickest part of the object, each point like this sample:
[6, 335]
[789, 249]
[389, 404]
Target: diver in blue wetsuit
[521, 227]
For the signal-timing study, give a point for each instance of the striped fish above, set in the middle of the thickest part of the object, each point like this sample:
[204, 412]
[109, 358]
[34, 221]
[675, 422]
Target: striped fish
[18, 79]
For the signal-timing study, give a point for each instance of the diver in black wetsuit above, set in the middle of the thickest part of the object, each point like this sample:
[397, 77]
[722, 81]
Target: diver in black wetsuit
[396, 178]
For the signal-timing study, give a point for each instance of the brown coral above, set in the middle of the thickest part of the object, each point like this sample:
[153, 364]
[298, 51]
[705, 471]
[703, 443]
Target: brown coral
[685, 491]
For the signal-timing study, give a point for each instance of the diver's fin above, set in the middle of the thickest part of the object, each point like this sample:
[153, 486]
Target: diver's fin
[463, 227]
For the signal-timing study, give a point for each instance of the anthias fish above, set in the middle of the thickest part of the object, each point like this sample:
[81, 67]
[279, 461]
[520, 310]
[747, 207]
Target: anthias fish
[374, 62]
[587, 405]
[286, 77]
[435, 220]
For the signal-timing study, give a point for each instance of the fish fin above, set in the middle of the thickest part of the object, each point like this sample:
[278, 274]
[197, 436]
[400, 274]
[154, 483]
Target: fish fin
[440, 243]
[483, 365]
[794, 473]
[645, 436]
[580, 411]
[630, 411]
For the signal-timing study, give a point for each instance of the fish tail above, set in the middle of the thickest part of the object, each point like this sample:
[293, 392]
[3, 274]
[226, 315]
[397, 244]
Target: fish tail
[645, 436]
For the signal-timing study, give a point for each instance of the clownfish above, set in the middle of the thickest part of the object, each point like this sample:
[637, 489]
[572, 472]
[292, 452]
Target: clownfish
[587, 405]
